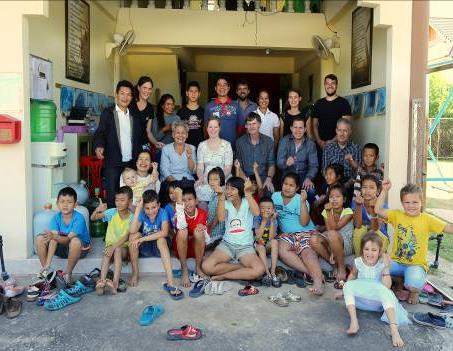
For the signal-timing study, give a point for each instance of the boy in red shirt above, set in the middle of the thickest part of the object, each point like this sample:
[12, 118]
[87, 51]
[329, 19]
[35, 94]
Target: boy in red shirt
[191, 232]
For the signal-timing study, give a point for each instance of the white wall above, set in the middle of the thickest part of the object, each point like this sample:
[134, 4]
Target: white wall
[47, 40]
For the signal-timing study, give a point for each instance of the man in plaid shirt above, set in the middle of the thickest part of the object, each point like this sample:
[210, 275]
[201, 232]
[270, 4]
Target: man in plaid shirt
[342, 150]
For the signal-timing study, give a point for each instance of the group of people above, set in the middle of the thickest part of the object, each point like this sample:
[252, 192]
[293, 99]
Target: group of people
[238, 180]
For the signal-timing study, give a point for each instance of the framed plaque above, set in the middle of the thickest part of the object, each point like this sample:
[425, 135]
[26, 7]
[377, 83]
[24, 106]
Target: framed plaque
[362, 30]
[78, 40]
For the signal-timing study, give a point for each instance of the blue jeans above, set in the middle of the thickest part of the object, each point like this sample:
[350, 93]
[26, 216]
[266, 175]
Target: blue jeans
[414, 276]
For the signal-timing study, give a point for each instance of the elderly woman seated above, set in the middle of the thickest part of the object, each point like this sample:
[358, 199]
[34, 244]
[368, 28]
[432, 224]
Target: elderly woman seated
[178, 159]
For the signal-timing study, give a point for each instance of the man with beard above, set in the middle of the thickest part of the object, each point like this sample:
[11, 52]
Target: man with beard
[327, 111]
[245, 104]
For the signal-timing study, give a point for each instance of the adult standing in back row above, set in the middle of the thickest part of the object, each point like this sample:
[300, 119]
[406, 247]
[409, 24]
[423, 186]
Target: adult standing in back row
[227, 110]
[327, 111]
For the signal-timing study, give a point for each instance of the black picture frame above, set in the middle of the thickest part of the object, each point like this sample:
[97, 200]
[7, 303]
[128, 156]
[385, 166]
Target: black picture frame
[77, 40]
[361, 47]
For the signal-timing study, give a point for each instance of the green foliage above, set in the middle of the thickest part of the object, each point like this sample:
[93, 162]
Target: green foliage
[442, 138]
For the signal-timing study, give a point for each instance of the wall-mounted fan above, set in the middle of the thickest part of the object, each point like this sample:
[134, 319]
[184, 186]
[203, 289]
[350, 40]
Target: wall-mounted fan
[325, 47]
[122, 42]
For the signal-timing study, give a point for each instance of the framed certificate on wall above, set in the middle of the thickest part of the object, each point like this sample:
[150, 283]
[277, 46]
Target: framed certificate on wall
[362, 31]
[78, 40]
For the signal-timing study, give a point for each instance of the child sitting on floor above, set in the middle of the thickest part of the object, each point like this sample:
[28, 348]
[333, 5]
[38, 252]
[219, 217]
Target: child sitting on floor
[191, 232]
[67, 236]
[265, 227]
[336, 242]
[368, 288]
[370, 155]
[116, 237]
[412, 229]
[297, 230]
[216, 178]
[365, 218]
[149, 229]
[237, 244]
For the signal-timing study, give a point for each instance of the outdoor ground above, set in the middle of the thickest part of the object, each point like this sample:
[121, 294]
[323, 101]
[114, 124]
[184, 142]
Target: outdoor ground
[229, 322]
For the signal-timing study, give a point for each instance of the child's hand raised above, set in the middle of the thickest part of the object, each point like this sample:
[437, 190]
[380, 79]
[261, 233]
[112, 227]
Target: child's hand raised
[101, 208]
[237, 164]
[359, 199]
[140, 203]
[328, 206]
[217, 189]
[303, 195]
[248, 186]
[386, 259]
[178, 194]
[386, 184]
[274, 215]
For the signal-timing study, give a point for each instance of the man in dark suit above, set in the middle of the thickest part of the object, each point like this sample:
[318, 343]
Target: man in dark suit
[118, 139]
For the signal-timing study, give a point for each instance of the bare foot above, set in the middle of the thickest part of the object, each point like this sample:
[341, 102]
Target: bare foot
[317, 288]
[133, 280]
[341, 274]
[353, 328]
[201, 274]
[396, 338]
[185, 282]
[413, 298]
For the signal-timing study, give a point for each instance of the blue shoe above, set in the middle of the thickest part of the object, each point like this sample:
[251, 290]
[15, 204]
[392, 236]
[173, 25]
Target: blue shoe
[79, 289]
[433, 320]
[150, 314]
[198, 288]
[173, 291]
[60, 301]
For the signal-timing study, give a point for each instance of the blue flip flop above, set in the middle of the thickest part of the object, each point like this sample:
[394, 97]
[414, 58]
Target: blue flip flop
[173, 291]
[79, 289]
[198, 288]
[150, 314]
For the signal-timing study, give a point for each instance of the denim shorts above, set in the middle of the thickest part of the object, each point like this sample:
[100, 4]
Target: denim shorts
[62, 251]
[236, 251]
[414, 276]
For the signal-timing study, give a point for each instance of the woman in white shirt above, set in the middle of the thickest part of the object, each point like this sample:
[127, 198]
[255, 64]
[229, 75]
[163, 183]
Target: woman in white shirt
[213, 152]
[270, 123]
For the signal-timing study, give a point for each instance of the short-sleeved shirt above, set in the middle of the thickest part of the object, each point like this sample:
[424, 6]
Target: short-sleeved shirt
[411, 236]
[366, 218]
[230, 117]
[238, 224]
[171, 213]
[166, 137]
[347, 231]
[143, 115]
[117, 226]
[201, 217]
[267, 227]
[362, 172]
[328, 113]
[152, 226]
[195, 123]
[77, 225]
[269, 121]
[289, 214]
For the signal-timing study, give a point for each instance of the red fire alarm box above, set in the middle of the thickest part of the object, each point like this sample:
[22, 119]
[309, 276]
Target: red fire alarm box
[9, 130]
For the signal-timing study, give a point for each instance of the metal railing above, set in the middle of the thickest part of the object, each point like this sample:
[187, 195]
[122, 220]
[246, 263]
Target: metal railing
[307, 6]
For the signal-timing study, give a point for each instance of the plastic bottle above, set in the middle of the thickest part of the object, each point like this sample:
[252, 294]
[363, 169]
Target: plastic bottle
[82, 191]
[43, 115]
[42, 219]
[98, 228]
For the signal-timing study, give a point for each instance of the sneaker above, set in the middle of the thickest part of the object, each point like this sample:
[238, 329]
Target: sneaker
[13, 291]
[267, 280]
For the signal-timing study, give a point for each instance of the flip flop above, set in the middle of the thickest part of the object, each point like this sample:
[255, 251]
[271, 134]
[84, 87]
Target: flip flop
[308, 279]
[279, 300]
[329, 277]
[79, 289]
[94, 274]
[150, 314]
[186, 332]
[198, 288]
[248, 290]
[173, 291]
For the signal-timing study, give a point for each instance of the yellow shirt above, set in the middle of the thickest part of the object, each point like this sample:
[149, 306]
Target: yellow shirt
[411, 236]
[117, 226]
